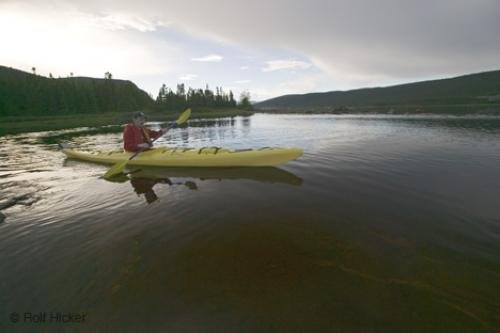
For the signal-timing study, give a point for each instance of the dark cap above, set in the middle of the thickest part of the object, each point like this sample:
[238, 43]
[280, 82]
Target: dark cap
[139, 114]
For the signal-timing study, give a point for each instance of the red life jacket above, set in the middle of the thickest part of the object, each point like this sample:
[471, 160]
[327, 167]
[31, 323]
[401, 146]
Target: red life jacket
[133, 136]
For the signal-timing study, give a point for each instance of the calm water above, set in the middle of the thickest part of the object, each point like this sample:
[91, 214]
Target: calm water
[385, 224]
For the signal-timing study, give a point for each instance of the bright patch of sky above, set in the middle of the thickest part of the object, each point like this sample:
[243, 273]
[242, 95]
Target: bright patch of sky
[147, 53]
[209, 58]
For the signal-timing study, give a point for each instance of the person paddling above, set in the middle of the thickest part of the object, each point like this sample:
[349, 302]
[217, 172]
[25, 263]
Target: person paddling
[137, 137]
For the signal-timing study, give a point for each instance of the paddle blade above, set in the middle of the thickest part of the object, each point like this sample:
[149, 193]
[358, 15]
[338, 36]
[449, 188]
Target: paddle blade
[115, 169]
[183, 117]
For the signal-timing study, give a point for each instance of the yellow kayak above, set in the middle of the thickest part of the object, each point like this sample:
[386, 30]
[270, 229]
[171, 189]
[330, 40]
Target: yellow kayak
[192, 157]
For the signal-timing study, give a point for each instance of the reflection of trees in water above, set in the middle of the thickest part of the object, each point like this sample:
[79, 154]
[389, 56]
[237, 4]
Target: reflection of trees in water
[211, 127]
[246, 122]
[225, 122]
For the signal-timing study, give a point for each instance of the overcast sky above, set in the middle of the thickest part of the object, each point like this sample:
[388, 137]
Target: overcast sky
[267, 47]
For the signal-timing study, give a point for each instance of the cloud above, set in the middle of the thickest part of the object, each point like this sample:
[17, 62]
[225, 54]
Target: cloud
[188, 77]
[122, 22]
[67, 40]
[242, 81]
[358, 42]
[275, 65]
[209, 58]
[244, 68]
[355, 40]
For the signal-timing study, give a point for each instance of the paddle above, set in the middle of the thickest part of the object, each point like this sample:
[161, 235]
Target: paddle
[118, 167]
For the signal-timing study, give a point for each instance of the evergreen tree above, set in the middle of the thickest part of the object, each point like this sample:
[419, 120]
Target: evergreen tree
[209, 96]
[168, 100]
[245, 101]
[181, 90]
[162, 95]
[232, 102]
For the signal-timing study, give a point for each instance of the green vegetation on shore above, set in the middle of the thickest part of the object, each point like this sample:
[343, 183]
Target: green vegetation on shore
[30, 102]
[474, 93]
[24, 94]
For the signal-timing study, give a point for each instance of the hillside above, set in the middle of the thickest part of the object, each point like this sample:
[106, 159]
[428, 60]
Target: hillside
[474, 92]
[25, 94]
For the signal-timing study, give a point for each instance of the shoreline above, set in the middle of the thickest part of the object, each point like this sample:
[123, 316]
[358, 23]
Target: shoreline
[436, 109]
[28, 124]
[112, 122]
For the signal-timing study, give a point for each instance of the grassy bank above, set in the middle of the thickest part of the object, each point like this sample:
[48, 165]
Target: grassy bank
[13, 125]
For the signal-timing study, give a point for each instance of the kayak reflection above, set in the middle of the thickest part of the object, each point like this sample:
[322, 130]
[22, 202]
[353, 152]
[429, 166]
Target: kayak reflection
[145, 178]
[145, 186]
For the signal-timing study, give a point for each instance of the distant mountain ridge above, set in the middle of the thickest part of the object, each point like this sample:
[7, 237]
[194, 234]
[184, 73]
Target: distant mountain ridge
[26, 94]
[471, 92]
